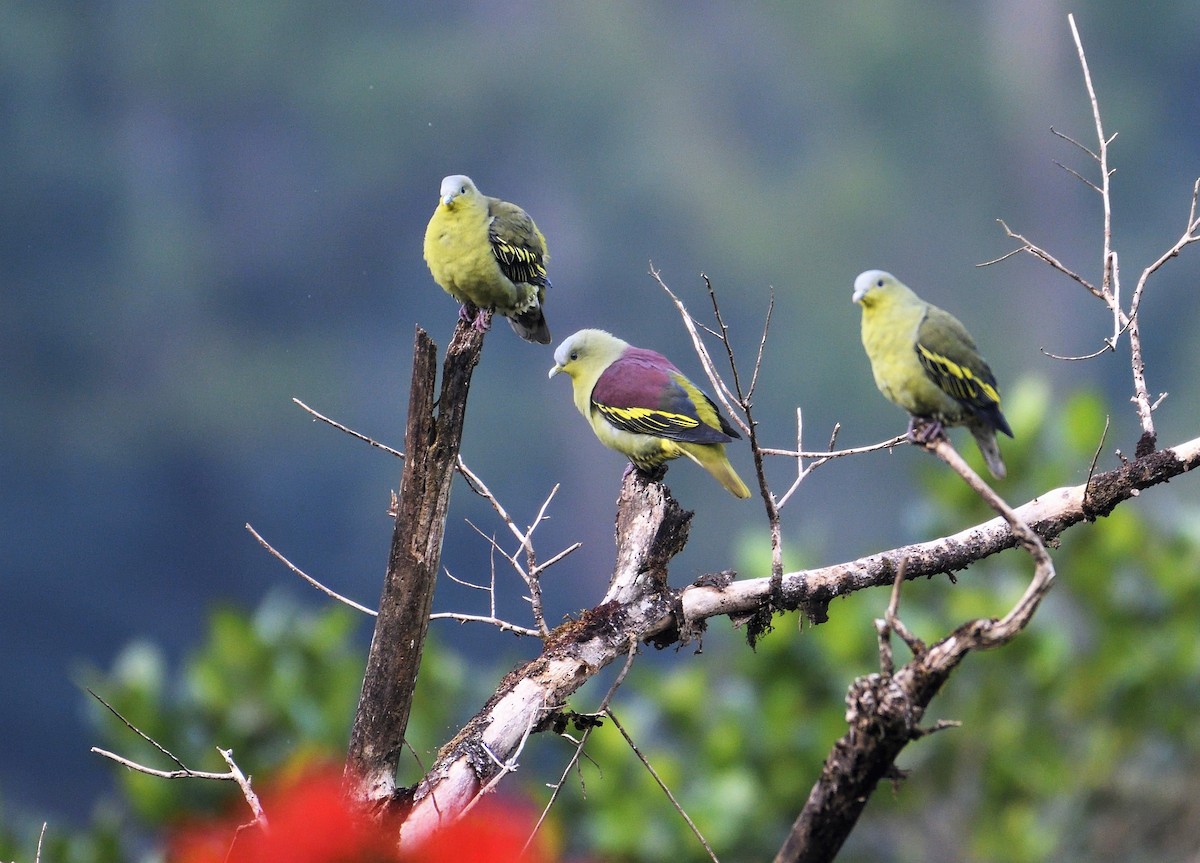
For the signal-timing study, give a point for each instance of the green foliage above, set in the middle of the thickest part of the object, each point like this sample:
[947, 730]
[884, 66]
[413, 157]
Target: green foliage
[275, 687]
[278, 687]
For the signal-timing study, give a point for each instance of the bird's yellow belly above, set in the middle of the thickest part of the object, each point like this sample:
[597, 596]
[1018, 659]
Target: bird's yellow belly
[645, 451]
[901, 378]
[461, 261]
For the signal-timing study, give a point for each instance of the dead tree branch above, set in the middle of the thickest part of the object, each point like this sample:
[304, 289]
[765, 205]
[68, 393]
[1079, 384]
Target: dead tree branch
[651, 529]
[431, 443]
[182, 771]
[884, 710]
[1109, 290]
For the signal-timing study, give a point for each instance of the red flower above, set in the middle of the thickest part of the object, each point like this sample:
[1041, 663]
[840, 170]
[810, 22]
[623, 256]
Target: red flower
[310, 821]
[494, 831]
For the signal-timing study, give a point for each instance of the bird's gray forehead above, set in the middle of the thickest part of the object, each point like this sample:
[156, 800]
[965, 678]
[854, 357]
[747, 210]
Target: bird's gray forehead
[455, 182]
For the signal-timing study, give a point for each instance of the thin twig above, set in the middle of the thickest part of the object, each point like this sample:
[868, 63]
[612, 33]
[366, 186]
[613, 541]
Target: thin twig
[243, 782]
[743, 416]
[1032, 248]
[318, 585]
[658, 779]
[1107, 347]
[583, 738]
[1110, 284]
[138, 732]
[531, 573]
[829, 455]
[1004, 630]
[182, 771]
[499, 623]
[724, 395]
[337, 425]
[1087, 486]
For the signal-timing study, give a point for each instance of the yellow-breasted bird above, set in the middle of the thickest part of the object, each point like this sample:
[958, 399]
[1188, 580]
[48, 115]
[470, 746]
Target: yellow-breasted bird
[925, 361]
[639, 404]
[488, 253]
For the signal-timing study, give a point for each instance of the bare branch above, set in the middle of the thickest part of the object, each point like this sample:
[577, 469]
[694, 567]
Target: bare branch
[182, 771]
[829, 455]
[243, 782]
[318, 585]
[1050, 514]
[509, 764]
[178, 773]
[884, 710]
[583, 738]
[1083, 147]
[723, 394]
[502, 625]
[531, 574]
[337, 425]
[1108, 346]
[667, 791]
[432, 440]
[1079, 176]
[651, 529]
[1038, 252]
[1191, 235]
[138, 732]
[1110, 284]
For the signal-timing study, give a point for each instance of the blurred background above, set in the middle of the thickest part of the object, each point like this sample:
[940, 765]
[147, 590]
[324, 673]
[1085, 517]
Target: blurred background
[208, 209]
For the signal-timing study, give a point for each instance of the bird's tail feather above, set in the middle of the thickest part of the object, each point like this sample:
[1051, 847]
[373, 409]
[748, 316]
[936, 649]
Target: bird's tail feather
[531, 326]
[986, 439]
[712, 458]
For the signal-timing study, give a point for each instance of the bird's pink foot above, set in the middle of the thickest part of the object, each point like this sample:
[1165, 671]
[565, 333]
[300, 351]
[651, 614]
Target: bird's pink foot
[483, 320]
[925, 430]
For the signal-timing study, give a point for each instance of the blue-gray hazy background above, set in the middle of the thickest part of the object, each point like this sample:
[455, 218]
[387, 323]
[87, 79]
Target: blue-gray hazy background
[209, 208]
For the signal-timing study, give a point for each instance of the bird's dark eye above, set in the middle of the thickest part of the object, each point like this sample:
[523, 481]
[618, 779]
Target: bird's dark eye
[463, 190]
[879, 283]
[574, 355]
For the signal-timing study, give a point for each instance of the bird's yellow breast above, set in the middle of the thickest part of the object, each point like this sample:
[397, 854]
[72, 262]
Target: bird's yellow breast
[460, 257]
[889, 335]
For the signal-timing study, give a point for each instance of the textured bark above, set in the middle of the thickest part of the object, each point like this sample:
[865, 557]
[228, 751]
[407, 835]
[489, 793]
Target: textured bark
[882, 713]
[431, 444]
[1049, 514]
[651, 529]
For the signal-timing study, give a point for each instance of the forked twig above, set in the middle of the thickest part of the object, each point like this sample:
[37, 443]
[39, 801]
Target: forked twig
[1109, 290]
[182, 771]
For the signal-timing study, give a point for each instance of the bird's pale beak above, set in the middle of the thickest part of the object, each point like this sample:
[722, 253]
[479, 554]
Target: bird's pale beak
[554, 371]
[448, 200]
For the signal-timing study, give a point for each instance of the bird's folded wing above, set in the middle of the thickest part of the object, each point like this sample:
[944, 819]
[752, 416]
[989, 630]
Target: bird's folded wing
[517, 244]
[646, 398]
[947, 353]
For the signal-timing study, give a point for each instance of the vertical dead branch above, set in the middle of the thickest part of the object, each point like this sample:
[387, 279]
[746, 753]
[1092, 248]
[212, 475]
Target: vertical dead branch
[431, 443]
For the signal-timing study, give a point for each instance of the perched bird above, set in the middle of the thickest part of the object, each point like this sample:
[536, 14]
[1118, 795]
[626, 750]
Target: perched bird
[639, 404]
[488, 253]
[925, 361]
